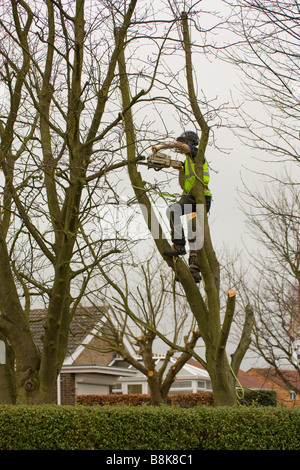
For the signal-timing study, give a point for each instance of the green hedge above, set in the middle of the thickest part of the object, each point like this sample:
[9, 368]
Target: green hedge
[148, 428]
[259, 398]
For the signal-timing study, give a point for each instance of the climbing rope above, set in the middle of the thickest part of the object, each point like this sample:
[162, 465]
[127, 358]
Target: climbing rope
[240, 397]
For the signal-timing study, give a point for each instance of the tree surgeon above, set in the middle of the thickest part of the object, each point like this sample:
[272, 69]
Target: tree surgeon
[186, 143]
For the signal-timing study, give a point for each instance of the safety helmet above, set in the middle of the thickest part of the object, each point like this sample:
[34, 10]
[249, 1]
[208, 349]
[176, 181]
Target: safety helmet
[188, 137]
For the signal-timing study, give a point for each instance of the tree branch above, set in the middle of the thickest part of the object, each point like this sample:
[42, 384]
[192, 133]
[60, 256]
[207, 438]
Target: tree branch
[237, 356]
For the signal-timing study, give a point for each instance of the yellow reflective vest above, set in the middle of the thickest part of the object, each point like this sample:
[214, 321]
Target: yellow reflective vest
[189, 176]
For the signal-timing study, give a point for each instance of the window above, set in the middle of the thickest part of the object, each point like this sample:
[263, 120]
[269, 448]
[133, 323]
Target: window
[135, 388]
[116, 388]
[204, 385]
[292, 395]
[182, 384]
[201, 385]
[208, 385]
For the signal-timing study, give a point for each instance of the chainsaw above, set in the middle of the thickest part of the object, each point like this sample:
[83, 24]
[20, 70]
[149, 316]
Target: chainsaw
[159, 160]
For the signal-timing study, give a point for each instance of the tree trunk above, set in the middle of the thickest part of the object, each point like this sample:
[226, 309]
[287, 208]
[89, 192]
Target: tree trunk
[155, 389]
[7, 376]
[32, 392]
[222, 379]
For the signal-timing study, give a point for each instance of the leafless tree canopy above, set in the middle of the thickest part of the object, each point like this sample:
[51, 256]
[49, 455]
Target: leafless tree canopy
[268, 34]
[78, 78]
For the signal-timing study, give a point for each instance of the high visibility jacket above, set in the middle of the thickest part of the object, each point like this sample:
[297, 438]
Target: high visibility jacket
[189, 178]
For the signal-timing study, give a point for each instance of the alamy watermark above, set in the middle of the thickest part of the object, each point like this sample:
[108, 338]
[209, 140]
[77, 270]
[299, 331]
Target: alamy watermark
[136, 222]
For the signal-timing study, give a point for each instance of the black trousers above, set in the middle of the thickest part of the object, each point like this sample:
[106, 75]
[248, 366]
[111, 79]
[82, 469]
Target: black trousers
[186, 205]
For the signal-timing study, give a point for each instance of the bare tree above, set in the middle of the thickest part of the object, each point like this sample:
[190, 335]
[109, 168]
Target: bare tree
[273, 220]
[268, 34]
[267, 55]
[146, 308]
[205, 307]
[61, 134]
[59, 129]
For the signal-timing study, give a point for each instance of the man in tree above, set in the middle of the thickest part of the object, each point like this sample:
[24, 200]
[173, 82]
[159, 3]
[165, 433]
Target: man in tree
[186, 143]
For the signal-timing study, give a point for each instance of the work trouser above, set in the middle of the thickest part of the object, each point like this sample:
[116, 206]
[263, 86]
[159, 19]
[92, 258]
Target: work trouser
[186, 205]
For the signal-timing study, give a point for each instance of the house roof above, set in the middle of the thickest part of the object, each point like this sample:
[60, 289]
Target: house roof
[187, 372]
[252, 382]
[244, 379]
[96, 369]
[84, 320]
[194, 370]
[269, 374]
[195, 363]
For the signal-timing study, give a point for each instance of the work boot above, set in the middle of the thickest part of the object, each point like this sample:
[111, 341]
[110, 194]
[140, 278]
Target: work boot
[175, 250]
[194, 270]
